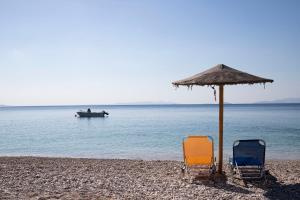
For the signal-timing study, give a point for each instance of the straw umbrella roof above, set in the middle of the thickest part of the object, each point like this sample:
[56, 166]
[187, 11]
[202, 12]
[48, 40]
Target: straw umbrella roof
[221, 75]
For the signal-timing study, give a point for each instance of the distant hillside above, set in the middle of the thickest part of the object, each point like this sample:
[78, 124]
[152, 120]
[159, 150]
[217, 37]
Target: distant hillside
[286, 100]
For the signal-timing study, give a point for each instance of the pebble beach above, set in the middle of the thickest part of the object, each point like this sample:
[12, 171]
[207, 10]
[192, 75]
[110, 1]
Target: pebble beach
[80, 178]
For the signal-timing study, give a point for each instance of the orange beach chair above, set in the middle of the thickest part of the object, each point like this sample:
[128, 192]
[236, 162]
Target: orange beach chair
[198, 155]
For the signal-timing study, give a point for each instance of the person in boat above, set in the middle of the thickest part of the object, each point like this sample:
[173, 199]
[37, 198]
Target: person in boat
[89, 110]
[106, 113]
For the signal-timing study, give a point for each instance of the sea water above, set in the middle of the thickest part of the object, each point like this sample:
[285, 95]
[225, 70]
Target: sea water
[145, 131]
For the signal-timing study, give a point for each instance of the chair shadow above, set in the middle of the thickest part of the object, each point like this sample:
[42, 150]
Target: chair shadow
[273, 189]
[279, 191]
[276, 190]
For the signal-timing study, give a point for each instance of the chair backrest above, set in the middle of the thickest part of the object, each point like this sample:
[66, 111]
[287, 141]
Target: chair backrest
[249, 152]
[198, 150]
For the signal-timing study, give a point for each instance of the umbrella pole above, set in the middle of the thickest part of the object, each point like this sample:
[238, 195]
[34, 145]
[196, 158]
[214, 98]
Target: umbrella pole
[221, 109]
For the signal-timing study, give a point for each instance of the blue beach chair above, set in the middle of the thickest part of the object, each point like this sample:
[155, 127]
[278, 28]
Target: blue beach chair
[248, 160]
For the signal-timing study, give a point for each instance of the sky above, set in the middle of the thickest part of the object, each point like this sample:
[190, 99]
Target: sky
[70, 52]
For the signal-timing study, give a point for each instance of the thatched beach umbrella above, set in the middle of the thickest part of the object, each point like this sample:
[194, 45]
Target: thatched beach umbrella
[221, 75]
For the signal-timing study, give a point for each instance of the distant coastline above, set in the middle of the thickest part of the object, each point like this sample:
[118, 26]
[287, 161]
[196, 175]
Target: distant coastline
[139, 105]
[280, 101]
[166, 103]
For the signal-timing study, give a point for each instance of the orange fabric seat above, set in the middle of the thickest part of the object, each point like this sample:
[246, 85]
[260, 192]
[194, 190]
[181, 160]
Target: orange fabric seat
[198, 150]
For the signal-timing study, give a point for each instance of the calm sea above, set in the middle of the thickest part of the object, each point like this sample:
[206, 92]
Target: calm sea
[145, 132]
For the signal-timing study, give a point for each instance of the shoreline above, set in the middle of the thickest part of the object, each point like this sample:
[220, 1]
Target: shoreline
[133, 159]
[89, 178]
[225, 161]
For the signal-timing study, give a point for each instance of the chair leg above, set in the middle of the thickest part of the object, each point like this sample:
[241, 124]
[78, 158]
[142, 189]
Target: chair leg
[183, 170]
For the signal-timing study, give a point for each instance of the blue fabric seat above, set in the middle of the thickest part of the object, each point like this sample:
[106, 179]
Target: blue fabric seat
[247, 161]
[248, 153]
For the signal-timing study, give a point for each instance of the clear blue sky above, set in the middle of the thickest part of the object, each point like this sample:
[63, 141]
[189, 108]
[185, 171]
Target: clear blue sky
[100, 52]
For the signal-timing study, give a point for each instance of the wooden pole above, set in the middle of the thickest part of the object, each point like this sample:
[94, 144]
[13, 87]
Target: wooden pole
[221, 109]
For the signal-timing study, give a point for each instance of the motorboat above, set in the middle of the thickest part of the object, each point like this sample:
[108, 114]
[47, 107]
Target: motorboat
[89, 113]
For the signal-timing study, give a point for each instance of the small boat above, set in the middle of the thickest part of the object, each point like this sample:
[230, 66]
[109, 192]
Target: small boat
[88, 113]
